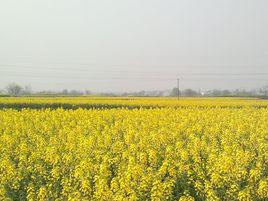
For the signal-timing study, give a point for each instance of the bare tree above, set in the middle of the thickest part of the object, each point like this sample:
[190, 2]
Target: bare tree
[14, 89]
[190, 93]
[65, 92]
[27, 90]
[265, 90]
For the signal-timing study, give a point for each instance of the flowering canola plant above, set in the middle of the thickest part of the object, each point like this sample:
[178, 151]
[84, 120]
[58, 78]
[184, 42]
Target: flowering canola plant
[192, 153]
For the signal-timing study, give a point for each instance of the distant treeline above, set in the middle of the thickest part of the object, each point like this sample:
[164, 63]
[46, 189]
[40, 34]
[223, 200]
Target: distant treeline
[17, 90]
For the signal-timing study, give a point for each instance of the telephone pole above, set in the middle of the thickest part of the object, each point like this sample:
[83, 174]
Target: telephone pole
[178, 88]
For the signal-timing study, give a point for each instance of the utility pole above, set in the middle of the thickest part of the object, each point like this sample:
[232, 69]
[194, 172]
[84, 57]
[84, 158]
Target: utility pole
[178, 88]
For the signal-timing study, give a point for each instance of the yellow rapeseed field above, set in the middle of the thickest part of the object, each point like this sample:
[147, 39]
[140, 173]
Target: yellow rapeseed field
[127, 102]
[192, 149]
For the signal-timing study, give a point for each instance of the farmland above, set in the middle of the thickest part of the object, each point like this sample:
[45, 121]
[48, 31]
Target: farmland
[133, 149]
[127, 102]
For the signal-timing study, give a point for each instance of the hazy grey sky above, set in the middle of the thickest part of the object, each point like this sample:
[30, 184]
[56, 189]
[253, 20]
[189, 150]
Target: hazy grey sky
[121, 45]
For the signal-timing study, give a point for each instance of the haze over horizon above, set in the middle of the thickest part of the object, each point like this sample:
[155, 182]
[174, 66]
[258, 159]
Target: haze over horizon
[126, 45]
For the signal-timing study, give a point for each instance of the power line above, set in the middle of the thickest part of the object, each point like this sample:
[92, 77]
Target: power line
[86, 77]
[109, 77]
[79, 69]
[86, 64]
[109, 72]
